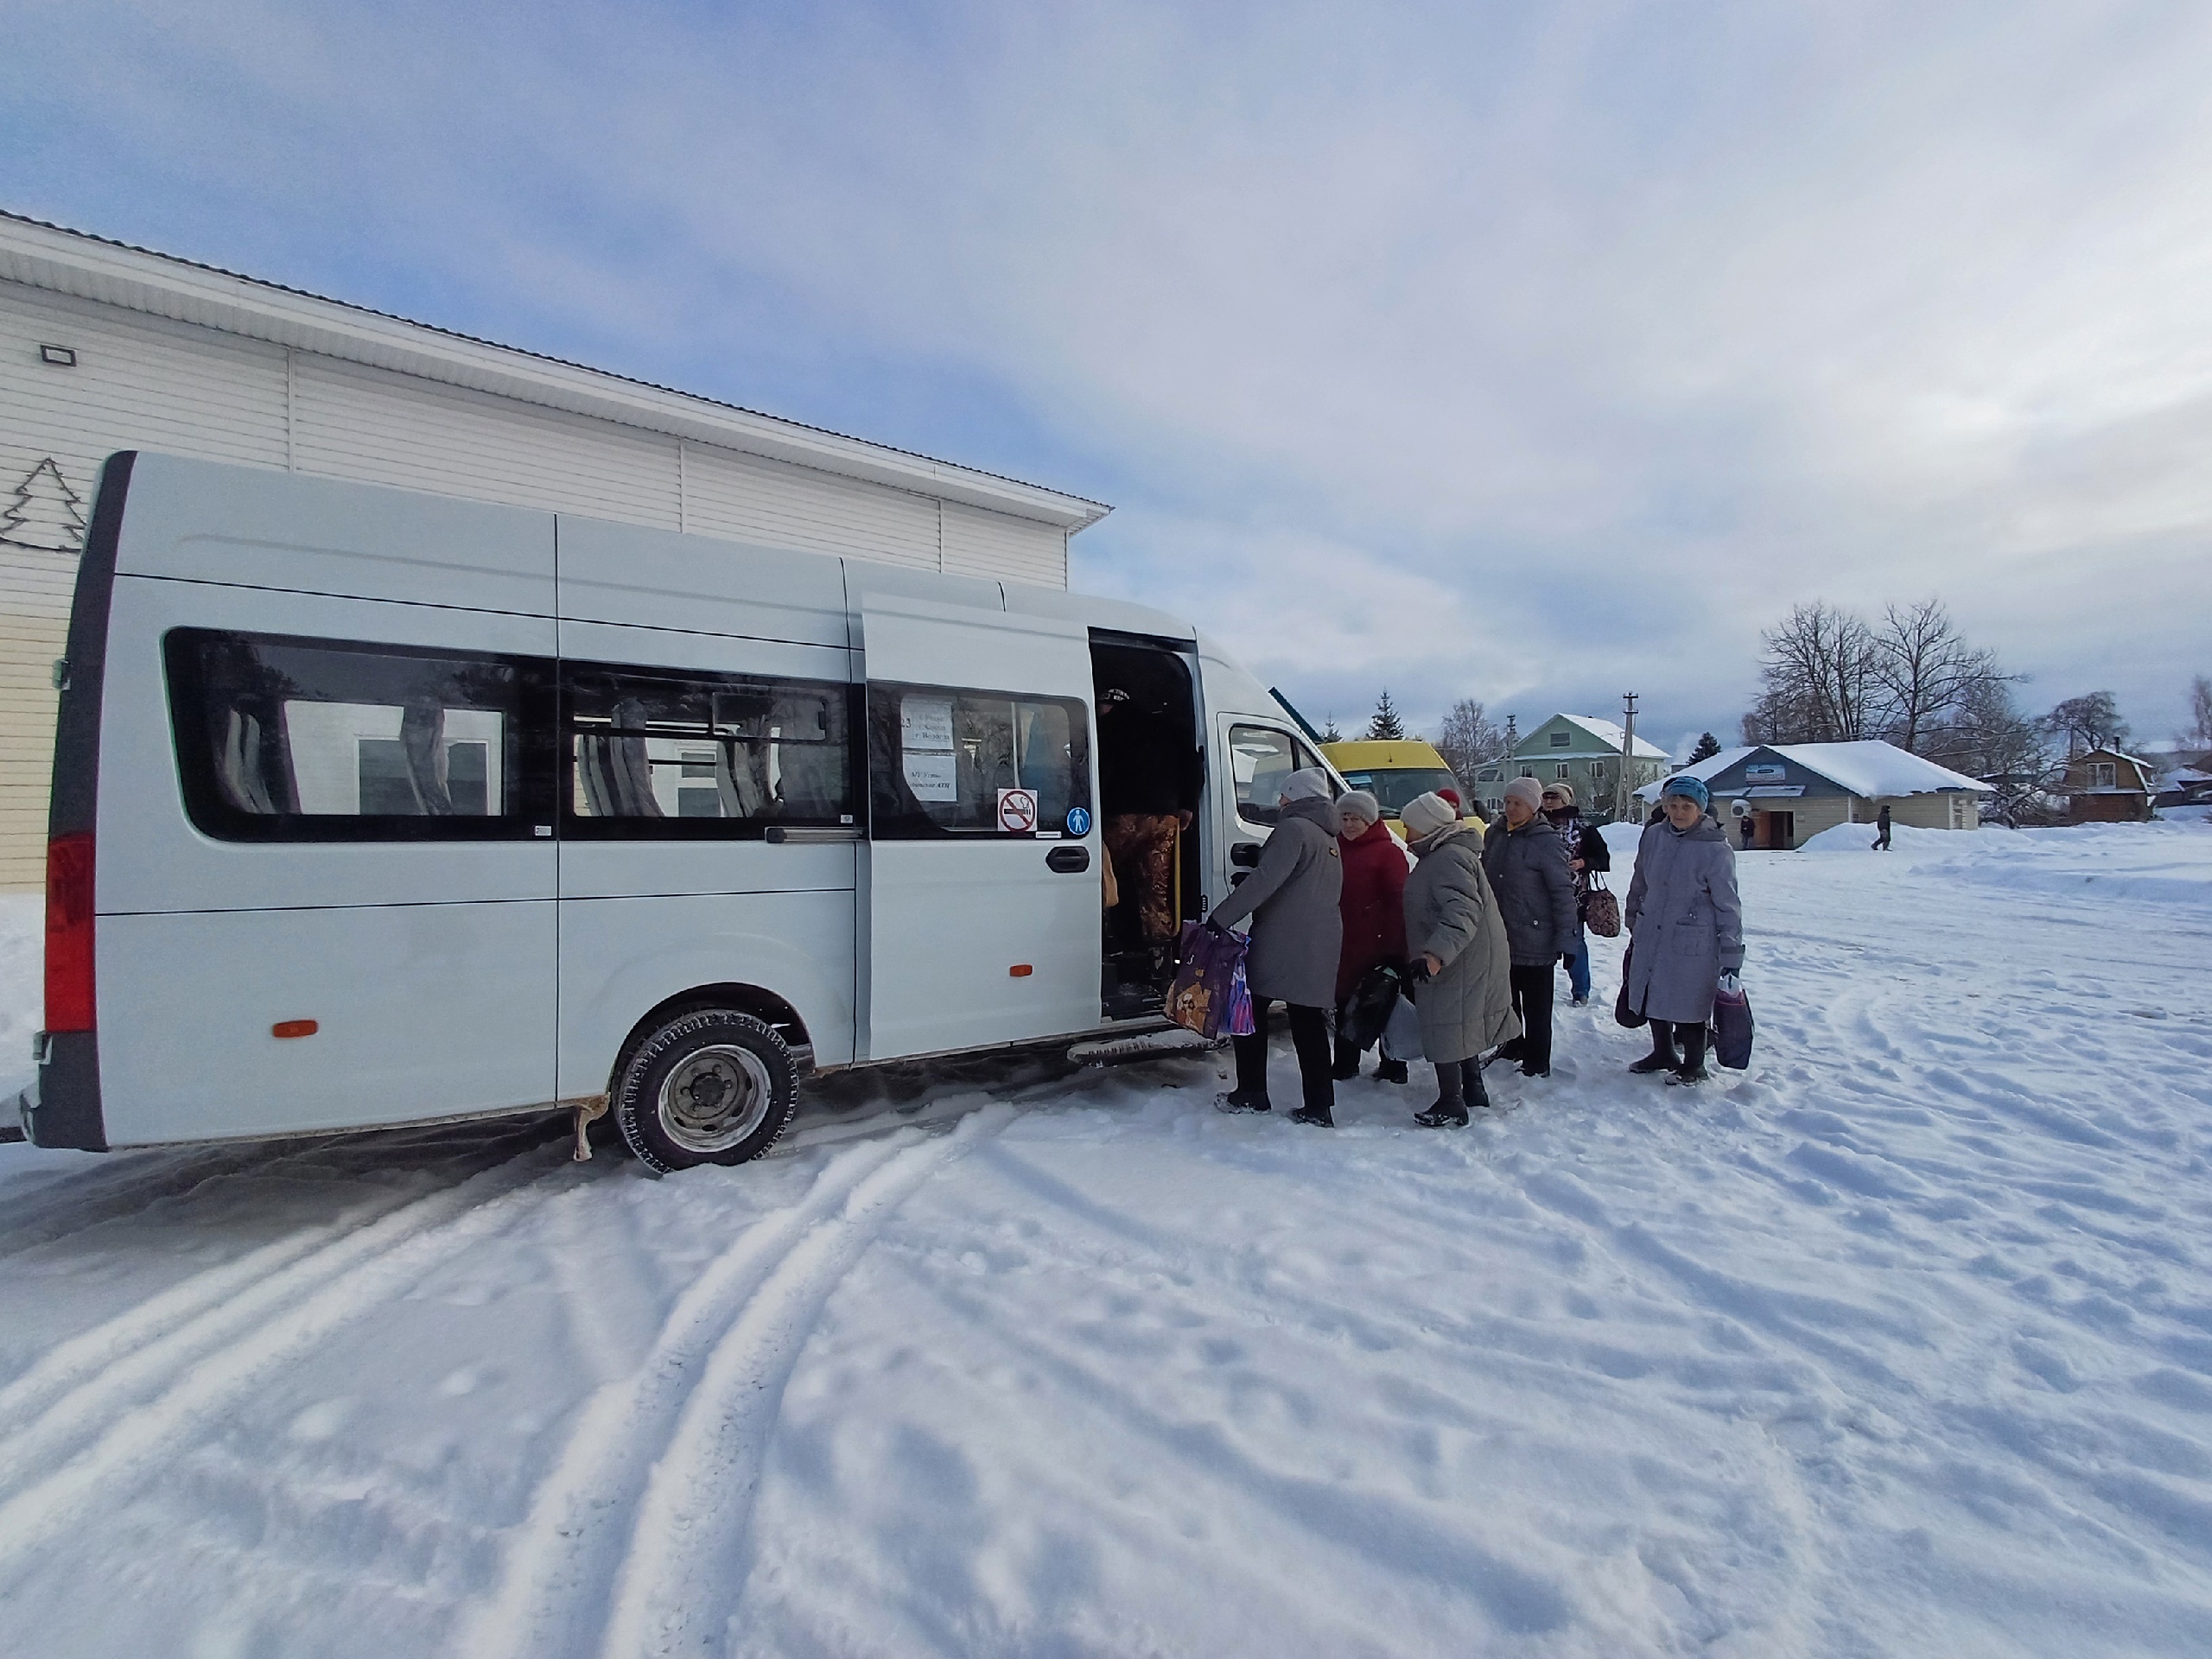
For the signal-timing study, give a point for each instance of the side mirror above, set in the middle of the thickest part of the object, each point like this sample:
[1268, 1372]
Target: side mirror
[1244, 854]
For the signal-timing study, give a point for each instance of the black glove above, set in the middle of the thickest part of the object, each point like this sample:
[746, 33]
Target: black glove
[1417, 970]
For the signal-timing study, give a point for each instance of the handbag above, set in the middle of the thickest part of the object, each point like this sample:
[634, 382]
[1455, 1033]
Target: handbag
[1367, 1010]
[1601, 912]
[1240, 1022]
[1732, 1029]
[1209, 962]
[1624, 1015]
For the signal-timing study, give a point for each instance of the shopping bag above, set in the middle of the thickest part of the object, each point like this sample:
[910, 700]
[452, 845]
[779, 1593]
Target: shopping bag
[1209, 960]
[1732, 1029]
[1624, 1015]
[1240, 1022]
[1402, 1032]
[1601, 912]
[1367, 1010]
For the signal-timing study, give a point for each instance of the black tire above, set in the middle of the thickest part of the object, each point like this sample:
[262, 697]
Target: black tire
[709, 1086]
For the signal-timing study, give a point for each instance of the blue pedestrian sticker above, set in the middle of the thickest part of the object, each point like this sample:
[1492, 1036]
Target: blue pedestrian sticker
[1079, 820]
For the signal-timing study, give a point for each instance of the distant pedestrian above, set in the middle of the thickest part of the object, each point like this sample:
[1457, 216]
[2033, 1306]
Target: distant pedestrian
[1882, 827]
[1585, 851]
[1461, 962]
[1297, 937]
[1686, 929]
[1534, 890]
[1373, 906]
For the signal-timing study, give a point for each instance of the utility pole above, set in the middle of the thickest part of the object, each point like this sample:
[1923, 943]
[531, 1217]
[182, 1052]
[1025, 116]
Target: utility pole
[1628, 758]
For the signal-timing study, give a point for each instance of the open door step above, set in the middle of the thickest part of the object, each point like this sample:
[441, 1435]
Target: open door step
[1146, 1045]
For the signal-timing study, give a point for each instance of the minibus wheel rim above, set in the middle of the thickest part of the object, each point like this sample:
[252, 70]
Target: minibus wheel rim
[714, 1098]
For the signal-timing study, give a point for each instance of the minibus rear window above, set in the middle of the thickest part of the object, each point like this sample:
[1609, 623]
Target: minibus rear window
[665, 753]
[285, 738]
[937, 757]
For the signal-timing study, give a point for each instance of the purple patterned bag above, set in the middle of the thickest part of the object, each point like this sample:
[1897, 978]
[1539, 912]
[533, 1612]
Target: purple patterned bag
[1210, 969]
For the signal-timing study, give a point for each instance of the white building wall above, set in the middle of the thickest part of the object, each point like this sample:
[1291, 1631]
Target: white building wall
[750, 499]
[979, 544]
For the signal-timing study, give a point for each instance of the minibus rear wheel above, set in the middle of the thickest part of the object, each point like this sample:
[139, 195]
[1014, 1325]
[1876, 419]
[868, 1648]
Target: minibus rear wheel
[708, 1086]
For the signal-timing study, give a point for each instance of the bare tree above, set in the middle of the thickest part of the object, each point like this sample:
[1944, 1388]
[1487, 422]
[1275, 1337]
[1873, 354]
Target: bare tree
[1926, 672]
[1818, 680]
[1987, 737]
[2199, 735]
[2090, 722]
[1470, 739]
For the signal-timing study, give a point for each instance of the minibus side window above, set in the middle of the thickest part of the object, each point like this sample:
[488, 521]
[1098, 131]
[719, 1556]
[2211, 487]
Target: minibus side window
[669, 754]
[285, 738]
[937, 757]
[1261, 758]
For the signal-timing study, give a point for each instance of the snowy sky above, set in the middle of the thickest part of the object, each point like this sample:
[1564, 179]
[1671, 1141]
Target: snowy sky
[1532, 353]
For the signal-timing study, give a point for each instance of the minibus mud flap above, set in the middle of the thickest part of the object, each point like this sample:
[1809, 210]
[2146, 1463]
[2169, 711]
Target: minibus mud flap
[588, 1110]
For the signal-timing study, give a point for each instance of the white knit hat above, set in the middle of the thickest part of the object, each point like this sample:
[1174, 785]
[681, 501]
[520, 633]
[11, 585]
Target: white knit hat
[1527, 791]
[1425, 815]
[1310, 784]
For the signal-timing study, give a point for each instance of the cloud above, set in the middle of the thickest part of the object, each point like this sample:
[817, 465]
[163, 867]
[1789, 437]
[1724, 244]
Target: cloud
[1532, 355]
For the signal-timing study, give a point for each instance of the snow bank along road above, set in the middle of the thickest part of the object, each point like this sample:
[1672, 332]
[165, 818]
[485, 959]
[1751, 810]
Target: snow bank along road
[1901, 1343]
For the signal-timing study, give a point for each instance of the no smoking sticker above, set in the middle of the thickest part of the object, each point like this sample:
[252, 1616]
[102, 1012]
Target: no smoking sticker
[1018, 811]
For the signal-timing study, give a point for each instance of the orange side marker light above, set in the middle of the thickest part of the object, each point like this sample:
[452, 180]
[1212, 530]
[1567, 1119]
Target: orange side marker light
[1019, 970]
[293, 1028]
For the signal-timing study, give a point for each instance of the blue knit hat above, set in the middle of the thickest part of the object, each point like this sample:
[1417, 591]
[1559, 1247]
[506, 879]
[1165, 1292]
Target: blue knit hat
[1682, 783]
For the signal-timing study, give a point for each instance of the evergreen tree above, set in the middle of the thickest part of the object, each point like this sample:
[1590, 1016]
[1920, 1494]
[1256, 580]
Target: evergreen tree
[1385, 726]
[1329, 731]
[45, 514]
[1707, 747]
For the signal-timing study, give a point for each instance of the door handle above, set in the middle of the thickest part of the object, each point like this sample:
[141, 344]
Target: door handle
[1244, 853]
[1068, 861]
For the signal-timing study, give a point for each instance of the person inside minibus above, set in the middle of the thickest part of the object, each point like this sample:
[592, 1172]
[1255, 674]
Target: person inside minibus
[1150, 782]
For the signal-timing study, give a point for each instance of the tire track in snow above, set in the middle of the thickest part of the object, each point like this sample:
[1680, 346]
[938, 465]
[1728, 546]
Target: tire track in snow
[110, 1429]
[697, 1505]
[550, 1580]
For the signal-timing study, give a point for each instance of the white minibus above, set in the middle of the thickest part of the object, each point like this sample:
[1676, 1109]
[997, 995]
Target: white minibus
[375, 808]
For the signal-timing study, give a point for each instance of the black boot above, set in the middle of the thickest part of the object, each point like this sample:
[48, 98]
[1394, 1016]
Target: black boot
[1390, 1071]
[1238, 1101]
[1663, 1057]
[1320, 1114]
[1470, 1077]
[1347, 1056]
[1692, 1070]
[1451, 1108]
[1510, 1050]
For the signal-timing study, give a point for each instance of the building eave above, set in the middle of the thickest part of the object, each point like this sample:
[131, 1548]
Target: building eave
[87, 267]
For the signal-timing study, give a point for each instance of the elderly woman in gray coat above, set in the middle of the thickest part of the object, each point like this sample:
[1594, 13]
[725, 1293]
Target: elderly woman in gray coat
[1456, 945]
[1527, 865]
[1297, 935]
[1686, 925]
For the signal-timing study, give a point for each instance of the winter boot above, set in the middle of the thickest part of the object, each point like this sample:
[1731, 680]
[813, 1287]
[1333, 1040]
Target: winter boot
[1688, 1074]
[1390, 1071]
[1451, 1108]
[1661, 1058]
[1509, 1050]
[1347, 1059]
[1318, 1115]
[1470, 1077]
[1238, 1101]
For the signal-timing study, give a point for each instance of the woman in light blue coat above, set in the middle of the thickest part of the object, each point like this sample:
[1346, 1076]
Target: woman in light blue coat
[1685, 927]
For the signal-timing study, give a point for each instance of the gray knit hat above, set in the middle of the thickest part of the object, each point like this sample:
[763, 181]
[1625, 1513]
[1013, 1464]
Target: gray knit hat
[1527, 791]
[1358, 804]
[1425, 815]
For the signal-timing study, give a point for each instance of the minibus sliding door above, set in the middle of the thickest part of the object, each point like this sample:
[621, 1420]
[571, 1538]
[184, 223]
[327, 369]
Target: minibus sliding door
[981, 914]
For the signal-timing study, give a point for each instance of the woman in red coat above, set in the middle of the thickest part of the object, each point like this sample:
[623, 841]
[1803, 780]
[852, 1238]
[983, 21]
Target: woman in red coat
[1374, 912]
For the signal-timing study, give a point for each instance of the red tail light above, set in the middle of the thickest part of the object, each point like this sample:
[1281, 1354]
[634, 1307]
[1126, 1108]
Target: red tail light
[69, 933]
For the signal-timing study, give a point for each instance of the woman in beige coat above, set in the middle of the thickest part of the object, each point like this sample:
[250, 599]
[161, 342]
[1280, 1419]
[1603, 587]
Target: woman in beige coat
[1461, 962]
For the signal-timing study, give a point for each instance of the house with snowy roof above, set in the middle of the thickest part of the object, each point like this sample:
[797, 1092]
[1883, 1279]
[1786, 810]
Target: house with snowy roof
[1579, 749]
[2106, 786]
[1780, 794]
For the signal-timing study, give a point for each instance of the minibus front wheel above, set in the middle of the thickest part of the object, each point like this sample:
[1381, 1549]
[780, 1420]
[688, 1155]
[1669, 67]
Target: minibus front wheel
[708, 1086]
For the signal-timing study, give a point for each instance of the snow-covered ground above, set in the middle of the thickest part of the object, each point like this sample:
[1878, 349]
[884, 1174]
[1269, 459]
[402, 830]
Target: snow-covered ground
[1900, 1344]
